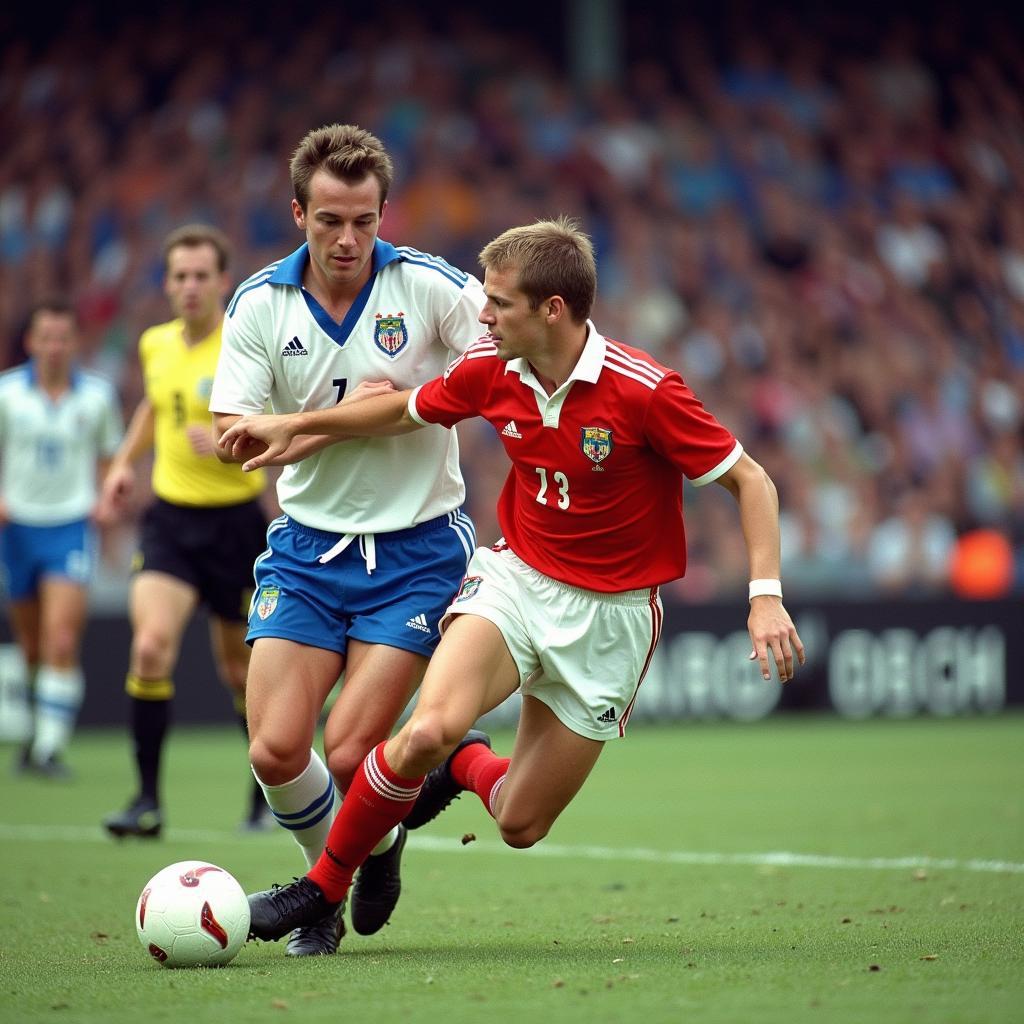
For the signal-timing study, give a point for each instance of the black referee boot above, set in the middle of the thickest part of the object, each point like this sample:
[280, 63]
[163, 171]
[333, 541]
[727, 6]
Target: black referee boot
[142, 818]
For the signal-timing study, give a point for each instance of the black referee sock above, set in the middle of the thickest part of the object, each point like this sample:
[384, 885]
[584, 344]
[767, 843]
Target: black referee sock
[150, 720]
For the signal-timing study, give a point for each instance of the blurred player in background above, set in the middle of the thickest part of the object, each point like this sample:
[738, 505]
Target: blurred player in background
[205, 526]
[373, 542]
[565, 607]
[59, 427]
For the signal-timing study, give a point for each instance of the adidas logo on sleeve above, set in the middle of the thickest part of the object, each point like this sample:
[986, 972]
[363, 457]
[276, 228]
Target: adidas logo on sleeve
[294, 348]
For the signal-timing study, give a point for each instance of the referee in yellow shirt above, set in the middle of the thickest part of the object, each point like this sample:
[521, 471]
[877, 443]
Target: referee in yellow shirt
[203, 531]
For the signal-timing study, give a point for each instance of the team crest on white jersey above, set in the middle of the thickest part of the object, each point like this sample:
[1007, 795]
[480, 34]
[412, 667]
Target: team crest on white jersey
[267, 602]
[470, 585]
[596, 444]
[390, 334]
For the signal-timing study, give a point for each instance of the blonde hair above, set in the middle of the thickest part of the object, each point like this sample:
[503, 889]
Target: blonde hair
[553, 257]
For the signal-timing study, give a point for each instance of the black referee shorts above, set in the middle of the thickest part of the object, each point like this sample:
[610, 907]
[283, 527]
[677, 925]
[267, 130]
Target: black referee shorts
[211, 549]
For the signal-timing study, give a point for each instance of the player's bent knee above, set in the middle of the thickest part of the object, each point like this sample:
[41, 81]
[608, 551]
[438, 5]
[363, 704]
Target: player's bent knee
[342, 763]
[276, 765]
[152, 654]
[521, 827]
[522, 837]
[427, 741]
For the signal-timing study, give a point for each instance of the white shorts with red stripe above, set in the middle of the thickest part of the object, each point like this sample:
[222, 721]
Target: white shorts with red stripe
[583, 653]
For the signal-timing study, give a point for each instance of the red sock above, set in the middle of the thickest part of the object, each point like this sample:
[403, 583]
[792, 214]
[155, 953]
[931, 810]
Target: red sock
[478, 768]
[375, 803]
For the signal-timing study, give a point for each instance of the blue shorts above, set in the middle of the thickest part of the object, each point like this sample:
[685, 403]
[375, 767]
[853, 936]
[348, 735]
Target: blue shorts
[31, 553]
[387, 588]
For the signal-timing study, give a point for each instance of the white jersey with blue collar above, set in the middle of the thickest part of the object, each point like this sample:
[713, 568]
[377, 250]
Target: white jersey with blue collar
[280, 347]
[49, 449]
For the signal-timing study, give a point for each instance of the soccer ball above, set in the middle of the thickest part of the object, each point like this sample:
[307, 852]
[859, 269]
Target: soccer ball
[192, 914]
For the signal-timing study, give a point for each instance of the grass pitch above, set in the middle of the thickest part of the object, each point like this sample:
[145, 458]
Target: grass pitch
[798, 869]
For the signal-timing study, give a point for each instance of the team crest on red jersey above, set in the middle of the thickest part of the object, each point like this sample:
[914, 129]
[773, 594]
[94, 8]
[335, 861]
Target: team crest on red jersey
[596, 444]
[390, 334]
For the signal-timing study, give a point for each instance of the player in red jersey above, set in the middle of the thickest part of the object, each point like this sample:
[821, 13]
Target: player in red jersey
[565, 607]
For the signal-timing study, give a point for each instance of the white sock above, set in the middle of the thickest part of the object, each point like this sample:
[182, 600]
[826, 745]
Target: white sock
[386, 843]
[305, 806]
[59, 693]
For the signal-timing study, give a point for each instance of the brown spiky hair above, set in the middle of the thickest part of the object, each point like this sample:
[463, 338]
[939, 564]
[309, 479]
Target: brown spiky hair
[347, 152]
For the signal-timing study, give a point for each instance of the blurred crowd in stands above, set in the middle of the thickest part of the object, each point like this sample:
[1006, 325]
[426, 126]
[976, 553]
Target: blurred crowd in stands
[819, 220]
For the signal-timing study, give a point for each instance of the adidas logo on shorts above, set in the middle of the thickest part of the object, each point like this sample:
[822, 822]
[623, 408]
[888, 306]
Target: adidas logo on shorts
[419, 622]
[294, 348]
[608, 716]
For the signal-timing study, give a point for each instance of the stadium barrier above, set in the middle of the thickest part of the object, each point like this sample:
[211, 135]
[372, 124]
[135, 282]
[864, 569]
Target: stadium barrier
[865, 660]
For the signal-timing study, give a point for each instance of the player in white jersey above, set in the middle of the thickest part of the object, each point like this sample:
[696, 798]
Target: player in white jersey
[59, 427]
[350, 583]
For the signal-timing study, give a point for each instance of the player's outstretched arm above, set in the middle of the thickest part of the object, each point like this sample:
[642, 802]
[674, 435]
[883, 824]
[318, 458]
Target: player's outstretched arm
[301, 447]
[380, 416]
[772, 632]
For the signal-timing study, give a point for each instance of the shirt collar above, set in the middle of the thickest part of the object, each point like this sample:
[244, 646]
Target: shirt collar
[290, 270]
[74, 377]
[588, 366]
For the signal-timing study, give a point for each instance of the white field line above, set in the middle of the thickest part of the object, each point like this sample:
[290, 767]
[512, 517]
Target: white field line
[436, 844]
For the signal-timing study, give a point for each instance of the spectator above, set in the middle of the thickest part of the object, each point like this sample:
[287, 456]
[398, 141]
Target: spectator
[911, 551]
[815, 196]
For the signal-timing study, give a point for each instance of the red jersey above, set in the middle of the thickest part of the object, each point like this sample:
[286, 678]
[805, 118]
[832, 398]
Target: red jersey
[595, 495]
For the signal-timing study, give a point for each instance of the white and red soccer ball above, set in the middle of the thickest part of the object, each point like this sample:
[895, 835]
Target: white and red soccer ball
[192, 914]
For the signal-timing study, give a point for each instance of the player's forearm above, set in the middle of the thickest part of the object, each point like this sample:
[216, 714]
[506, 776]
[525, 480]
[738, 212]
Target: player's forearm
[304, 445]
[138, 438]
[758, 502]
[381, 416]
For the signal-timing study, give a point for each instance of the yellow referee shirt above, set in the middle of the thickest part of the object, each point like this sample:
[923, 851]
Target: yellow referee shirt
[178, 379]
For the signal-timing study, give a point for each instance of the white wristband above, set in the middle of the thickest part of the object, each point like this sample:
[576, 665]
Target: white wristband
[763, 588]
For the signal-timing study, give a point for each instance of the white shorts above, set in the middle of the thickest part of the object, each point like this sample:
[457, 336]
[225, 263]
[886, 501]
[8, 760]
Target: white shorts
[583, 653]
